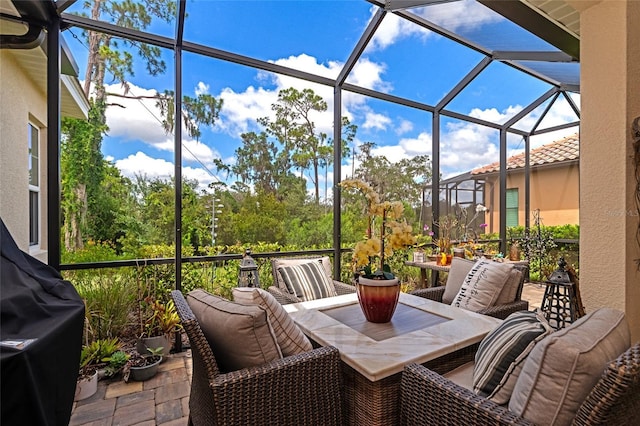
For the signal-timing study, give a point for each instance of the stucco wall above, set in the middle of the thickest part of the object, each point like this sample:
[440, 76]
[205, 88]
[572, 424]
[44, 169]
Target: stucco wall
[610, 97]
[21, 102]
[554, 190]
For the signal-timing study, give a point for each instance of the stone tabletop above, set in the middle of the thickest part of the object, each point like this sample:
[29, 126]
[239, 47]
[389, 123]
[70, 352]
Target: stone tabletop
[380, 350]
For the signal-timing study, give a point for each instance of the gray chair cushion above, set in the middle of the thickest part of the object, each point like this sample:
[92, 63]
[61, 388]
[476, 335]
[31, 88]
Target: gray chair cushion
[240, 336]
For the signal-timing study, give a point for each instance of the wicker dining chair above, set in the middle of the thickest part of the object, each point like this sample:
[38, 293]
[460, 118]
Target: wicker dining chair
[427, 398]
[301, 389]
[497, 311]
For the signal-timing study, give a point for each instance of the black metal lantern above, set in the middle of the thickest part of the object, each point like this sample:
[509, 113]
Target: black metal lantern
[248, 276]
[560, 303]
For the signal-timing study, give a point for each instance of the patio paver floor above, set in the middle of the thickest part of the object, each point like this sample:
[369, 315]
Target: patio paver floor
[164, 399]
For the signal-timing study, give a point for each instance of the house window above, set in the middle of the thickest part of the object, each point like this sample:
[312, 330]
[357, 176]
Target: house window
[34, 185]
[512, 207]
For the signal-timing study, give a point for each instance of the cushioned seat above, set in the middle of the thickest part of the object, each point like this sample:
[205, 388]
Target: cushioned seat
[584, 374]
[300, 279]
[299, 389]
[487, 287]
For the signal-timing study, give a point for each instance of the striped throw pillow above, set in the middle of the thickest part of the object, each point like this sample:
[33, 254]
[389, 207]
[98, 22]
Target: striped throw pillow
[307, 281]
[289, 337]
[502, 353]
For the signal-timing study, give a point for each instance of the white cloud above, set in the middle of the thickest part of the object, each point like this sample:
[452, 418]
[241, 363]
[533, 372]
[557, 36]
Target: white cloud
[376, 121]
[191, 151]
[404, 127]
[134, 119]
[455, 16]
[241, 109]
[143, 165]
[421, 145]
[202, 88]
[394, 153]
[467, 15]
[391, 29]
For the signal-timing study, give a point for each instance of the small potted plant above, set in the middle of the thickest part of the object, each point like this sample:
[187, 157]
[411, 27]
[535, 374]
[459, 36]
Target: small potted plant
[92, 358]
[158, 325]
[142, 367]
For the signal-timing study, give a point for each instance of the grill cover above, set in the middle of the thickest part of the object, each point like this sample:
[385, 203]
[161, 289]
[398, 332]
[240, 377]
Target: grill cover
[37, 381]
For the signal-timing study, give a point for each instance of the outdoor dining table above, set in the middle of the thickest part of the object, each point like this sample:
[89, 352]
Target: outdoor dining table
[432, 266]
[373, 355]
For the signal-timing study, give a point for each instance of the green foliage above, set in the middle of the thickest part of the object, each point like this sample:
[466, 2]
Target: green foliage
[109, 295]
[98, 351]
[161, 317]
[116, 363]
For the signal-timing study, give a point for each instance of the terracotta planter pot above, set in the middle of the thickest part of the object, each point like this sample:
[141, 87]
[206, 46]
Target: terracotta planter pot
[378, 298]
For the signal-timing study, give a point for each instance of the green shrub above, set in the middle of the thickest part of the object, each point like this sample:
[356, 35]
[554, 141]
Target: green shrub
[108, 295]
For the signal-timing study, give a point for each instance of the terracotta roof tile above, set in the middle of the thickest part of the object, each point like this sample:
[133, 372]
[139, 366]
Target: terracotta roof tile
[565, 149]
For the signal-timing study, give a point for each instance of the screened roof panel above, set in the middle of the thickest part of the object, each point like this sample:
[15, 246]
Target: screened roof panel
[484, 96]
[162, 20]
[490, 32]
[273, 30]
[566, 73]
[420, 65]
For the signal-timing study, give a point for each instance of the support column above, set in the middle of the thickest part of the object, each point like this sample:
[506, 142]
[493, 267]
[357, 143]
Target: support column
[610, 98]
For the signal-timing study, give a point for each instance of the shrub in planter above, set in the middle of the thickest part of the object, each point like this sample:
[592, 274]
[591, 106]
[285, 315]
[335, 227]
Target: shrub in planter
[158, 325]
[93, 356]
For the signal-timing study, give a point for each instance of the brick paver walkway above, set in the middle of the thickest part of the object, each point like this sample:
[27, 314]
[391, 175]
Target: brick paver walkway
[161, 400]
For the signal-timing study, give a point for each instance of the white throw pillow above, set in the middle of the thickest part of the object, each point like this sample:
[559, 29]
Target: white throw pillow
[482, 285]
[455, 277]
[510, 288]
[290, 338]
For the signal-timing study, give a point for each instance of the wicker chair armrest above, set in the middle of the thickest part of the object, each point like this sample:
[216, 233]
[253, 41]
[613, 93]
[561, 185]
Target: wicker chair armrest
[343, 288]
[503, 311]
[432, 293]
[427, 398]
[283, 297]
[301, 389]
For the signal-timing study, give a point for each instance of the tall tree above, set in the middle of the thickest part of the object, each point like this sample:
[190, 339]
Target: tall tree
[107, 57]
[295, 129]
[303, 146]
[204, 109]
[409, 176]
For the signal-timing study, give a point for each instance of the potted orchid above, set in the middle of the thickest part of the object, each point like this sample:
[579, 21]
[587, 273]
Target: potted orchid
[386, 232]
[377, 287]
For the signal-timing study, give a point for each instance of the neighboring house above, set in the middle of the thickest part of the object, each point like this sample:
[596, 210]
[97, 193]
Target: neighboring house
[23, 130]
[554, 177]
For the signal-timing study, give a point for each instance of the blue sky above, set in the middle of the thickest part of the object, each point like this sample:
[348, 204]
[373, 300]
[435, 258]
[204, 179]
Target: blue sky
[317, 37]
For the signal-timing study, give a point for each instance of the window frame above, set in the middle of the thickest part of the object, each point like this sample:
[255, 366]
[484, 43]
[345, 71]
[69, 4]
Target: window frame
[35, 201]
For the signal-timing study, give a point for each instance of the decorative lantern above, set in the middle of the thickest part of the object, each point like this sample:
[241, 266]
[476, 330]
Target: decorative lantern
[560, 304]
[248, 276]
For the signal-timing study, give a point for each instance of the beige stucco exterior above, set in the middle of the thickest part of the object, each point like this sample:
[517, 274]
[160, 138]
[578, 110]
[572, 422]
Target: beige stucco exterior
[22, 102]
[554, 191]
[610, 101]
